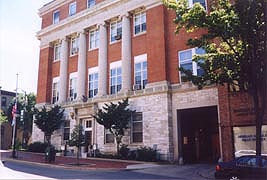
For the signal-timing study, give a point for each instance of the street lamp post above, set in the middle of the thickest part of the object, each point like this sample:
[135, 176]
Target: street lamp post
[14, 122]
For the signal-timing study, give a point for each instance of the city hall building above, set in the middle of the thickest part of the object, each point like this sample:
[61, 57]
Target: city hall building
[94, 52]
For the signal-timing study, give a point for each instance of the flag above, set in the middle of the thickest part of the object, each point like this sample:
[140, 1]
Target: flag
[14, 112]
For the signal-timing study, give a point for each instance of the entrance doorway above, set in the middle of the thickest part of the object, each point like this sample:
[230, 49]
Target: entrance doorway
[198, 134]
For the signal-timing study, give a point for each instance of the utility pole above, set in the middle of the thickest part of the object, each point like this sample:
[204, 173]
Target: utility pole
[14, 122]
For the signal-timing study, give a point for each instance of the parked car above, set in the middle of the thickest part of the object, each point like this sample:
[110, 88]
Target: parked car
[248, 167]
[244, 152]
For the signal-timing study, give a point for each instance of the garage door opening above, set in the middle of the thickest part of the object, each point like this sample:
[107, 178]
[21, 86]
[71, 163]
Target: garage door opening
[198, 134]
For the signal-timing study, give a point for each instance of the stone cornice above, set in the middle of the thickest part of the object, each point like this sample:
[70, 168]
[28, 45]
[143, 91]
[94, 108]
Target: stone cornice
[89, 17]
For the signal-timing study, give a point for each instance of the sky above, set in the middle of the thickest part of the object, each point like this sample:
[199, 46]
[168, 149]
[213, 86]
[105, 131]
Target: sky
[19, 47]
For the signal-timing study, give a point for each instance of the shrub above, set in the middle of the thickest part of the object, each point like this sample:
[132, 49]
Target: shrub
[37, 147]
[146, 154]
[124, 151]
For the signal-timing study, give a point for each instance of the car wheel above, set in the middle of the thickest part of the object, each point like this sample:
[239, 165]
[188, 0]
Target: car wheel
[234, 177]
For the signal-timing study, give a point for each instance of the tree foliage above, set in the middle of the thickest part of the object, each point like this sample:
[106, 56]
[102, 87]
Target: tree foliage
[235, 45]
[77, 139]
[115, 118]
[77, 136]
[48, 120]
[25, 102]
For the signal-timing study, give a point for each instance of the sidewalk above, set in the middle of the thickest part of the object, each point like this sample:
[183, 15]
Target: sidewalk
[69, 162]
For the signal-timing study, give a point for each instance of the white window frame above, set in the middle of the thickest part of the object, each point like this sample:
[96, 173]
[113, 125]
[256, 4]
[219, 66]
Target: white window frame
[140, 59]
[139, 23]
[194, 64]
[92, 71]
[55, 91]
[190, 3]
[115, 24]
[115, 65]
[56, 20]
[72, 5]
[74, 49]
[57, 51]
[132, 125]
[89, 5]
[106, 132]
[94, 39]
[73, 87]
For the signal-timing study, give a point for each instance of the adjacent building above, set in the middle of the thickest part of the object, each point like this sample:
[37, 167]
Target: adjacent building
[94, 52]
[6, 129]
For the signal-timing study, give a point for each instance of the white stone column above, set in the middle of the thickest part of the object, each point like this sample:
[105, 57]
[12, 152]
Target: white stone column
[126, 53]
[81, 66]
[102, 60]
[63, 74]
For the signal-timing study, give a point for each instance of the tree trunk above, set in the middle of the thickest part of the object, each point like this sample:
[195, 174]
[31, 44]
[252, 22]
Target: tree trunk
[118, 142]
[78, 155]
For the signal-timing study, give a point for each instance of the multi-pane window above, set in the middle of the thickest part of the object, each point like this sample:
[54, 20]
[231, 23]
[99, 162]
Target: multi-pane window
[140, 75]
[74, 46]
[56, 17]
[57, 48]
[55, 91]
[88, 124]
[94, 39]
[66, 134]
[90, 3]
[185, 59]
[115, 80]
[3, 101]
[72, 8]
[73, 88]
[93, 84]
[202, 2]
[137, 127]
[139, 22]
[109, 137]
[115, 31]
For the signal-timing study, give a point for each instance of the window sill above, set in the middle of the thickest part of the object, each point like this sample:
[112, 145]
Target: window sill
[55, 61]
[93, 49]
[74, 55]
[114, 42]
[139, 34]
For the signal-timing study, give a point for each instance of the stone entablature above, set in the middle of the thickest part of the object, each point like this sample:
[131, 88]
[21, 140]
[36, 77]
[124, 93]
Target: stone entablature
[96, 15]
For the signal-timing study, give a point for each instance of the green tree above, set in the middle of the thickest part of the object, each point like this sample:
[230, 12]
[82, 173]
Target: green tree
[77, 139]
[49, 120]
[115, 118]
[26, 102]
[235, 45]
[3, 117]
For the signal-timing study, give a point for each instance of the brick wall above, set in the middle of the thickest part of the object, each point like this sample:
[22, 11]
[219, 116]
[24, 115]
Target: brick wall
[44, 87]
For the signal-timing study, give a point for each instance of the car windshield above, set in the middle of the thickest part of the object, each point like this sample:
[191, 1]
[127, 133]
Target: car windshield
[247, 161]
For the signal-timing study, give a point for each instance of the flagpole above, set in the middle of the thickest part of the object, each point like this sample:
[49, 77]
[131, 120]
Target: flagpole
[14, 121]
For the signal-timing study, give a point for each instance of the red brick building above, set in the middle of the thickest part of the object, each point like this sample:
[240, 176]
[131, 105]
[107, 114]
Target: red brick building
[98, 51]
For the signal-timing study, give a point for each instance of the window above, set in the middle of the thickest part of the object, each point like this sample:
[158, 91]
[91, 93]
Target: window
[90, 3]
[88, 124]
[73, 87]
[66, 135]
[3, 101]
[115, 77]
[72, 8]
[94, 39]
[55, 90]
[185, 58]
[109, 137]
[57, 47]
[140, 72]
[74, 48]
[137, 127]
[93, 84]
[115, 31]
[56, 17]
[202, 2]
[139, 23]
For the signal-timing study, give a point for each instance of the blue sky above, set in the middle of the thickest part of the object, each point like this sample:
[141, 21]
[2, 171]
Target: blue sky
[19, 47]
